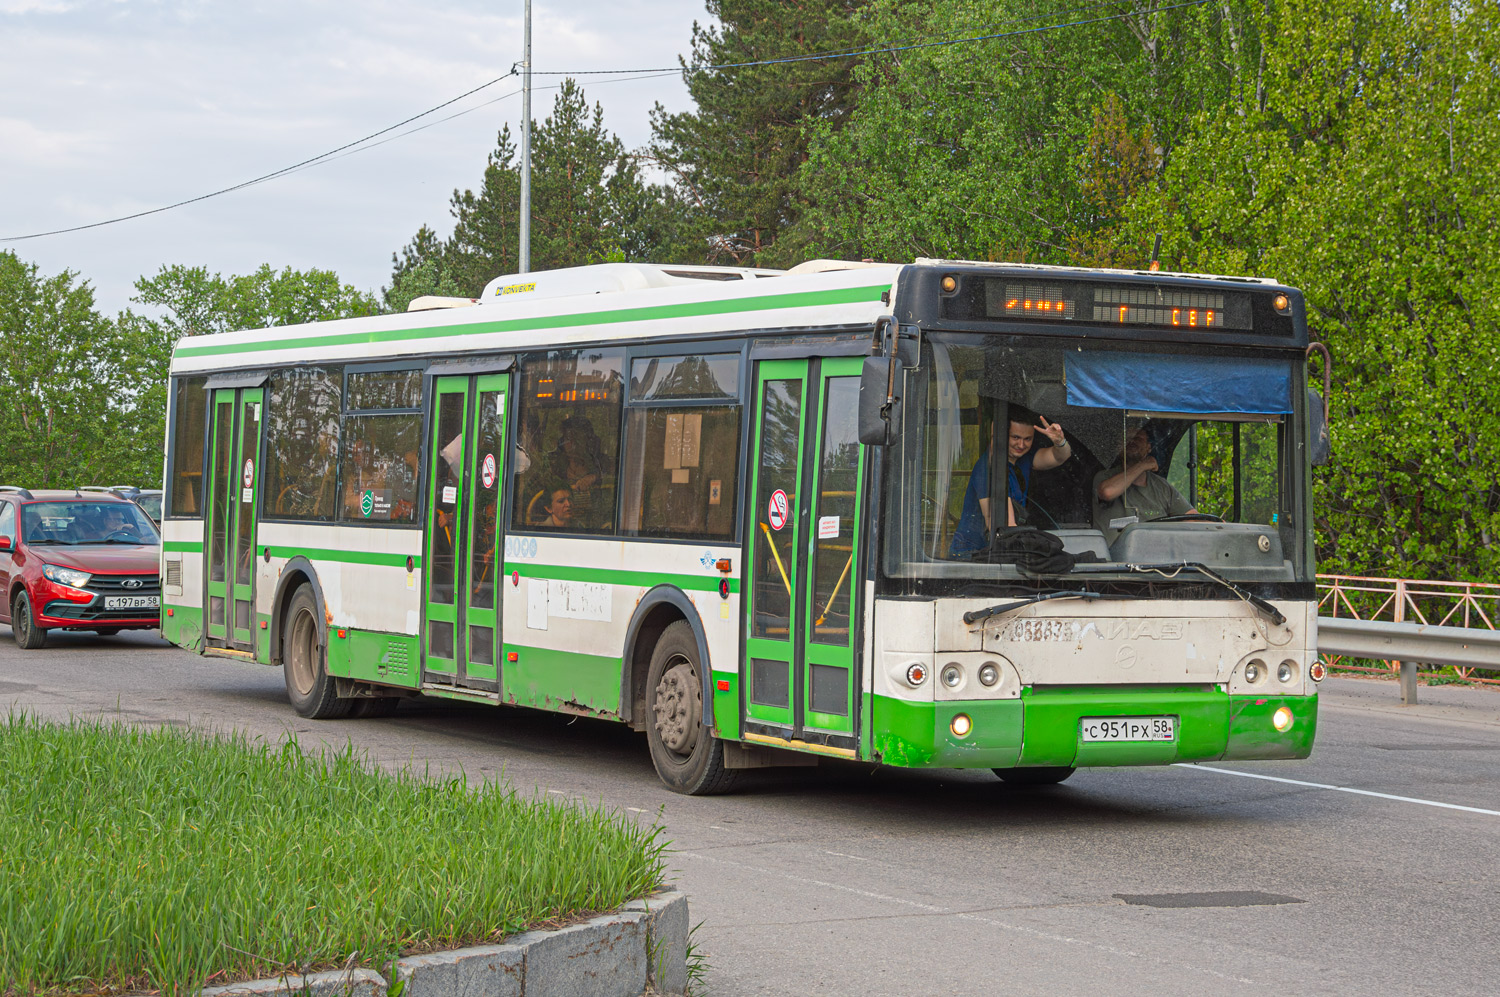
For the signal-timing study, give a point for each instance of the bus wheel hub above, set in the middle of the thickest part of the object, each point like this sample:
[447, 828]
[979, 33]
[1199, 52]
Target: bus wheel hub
[678, 708]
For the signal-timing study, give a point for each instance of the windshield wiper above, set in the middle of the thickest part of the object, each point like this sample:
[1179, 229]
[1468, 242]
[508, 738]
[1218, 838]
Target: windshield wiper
[60, 543]
[1175, 566]
[1001, 609]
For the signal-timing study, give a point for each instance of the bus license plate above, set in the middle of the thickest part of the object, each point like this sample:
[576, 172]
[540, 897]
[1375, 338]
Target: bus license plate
[1129, 728]
[131, 601]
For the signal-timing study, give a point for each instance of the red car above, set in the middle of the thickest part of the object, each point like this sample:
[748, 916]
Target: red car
[76, 561]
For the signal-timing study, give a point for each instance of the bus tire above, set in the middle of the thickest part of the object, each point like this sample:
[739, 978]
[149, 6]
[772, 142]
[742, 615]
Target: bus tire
[687, 756]
[308, 684]
[1040, 776]
[23, 626]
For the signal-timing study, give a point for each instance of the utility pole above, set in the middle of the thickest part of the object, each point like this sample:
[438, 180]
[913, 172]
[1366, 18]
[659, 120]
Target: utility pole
[526, 146]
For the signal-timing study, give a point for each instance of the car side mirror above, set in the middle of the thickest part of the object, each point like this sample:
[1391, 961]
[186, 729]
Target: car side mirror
[5, 543]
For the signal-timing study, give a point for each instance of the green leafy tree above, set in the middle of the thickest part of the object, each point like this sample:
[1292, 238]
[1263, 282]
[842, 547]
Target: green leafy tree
[735, 157]
[979, 149]
[589, 204]
[67, 412]
[1361, 166]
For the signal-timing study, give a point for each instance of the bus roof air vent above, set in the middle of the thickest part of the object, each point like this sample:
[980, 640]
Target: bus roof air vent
[606, 278]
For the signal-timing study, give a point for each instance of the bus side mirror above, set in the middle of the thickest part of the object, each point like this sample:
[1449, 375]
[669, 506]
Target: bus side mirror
[1317, 413]
[880, 419]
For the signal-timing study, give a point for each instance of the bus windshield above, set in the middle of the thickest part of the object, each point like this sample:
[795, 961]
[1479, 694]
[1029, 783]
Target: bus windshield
[1128, 453]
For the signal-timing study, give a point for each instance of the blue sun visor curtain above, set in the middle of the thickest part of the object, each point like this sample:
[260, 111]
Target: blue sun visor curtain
[1162, 382]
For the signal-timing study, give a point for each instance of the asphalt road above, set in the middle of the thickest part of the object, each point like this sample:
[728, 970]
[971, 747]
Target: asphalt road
[848, 880]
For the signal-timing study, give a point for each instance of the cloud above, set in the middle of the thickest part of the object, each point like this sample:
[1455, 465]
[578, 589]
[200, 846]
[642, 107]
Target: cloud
[112, 107]
[19, 7]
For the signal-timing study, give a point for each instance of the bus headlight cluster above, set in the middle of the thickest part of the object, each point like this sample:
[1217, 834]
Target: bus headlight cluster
[989, 674]
[953, 675]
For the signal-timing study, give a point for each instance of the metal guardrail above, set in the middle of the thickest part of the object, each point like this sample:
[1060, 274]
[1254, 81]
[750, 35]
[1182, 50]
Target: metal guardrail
[1405, 621]
[1419, 643]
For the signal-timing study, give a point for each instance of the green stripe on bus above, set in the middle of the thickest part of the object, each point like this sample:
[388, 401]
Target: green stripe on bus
[799, 299]
[381, 559]
[183, 546]
[642, 579]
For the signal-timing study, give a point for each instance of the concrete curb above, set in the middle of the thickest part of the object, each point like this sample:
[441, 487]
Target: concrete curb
[644, 944]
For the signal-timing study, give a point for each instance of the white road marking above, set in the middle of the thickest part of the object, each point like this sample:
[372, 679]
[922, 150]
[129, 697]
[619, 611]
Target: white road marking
[1338, 789]
[963, 915]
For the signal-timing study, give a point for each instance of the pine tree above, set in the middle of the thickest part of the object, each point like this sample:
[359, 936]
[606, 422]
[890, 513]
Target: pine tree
[735, 158]
[589, 204]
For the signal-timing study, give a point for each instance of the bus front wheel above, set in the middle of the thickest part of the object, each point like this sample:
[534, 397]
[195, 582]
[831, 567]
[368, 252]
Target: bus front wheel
[308, 684]
[687, 756]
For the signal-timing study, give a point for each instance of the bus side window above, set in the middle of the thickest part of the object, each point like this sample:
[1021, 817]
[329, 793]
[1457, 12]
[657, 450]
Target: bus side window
[569, 437]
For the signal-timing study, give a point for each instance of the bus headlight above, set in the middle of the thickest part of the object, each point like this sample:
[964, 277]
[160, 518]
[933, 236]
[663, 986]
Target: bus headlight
[961, 725]
[1286, 672]
[916, 674]
[989, 673]
[1255, 671]
[1282, 719]
[953, 675]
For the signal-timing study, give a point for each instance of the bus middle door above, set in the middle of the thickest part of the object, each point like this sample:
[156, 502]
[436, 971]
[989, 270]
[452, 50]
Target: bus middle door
[803, 571]
[462, 601]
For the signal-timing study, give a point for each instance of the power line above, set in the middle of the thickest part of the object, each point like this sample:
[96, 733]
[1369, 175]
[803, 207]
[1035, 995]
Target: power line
[261, 179]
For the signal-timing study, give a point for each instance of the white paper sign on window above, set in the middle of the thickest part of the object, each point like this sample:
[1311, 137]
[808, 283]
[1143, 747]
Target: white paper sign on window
[828, 527]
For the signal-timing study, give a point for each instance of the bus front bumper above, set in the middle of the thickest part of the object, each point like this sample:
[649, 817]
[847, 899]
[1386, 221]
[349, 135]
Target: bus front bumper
[1045, 728]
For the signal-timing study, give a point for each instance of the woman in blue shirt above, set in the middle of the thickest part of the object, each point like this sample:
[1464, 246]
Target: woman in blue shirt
[974, 525]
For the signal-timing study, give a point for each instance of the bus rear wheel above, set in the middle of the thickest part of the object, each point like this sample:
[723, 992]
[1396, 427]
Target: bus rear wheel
[308, 684]
[688, 758]
[1041, 776]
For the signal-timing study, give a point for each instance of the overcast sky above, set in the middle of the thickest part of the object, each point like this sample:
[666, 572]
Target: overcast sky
[109, 107]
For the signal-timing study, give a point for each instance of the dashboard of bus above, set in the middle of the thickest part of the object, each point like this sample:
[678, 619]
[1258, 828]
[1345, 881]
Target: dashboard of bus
[1127, 454]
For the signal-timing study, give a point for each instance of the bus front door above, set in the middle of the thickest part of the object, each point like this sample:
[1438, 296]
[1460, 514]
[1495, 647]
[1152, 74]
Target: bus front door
[234, 482]
[462, 601]
[804, 572]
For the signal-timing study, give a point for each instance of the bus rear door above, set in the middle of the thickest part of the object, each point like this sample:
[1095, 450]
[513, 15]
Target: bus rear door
[234, 482]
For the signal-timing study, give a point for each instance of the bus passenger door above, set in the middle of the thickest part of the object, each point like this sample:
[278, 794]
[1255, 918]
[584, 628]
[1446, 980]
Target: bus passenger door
[461, 626]
[234, 480]
[803, 571]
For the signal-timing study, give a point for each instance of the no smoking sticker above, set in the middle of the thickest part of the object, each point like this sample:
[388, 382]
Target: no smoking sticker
[487, 471]
[249, 475]
[777, 509]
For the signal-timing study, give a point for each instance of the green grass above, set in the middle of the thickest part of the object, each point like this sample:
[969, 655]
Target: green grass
[164, 859]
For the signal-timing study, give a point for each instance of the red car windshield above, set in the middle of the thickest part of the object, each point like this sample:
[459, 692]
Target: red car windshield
[75, 523]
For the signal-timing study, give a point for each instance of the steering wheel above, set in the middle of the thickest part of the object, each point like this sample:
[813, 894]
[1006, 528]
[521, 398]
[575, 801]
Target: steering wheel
[125, 535]
[1189, 517]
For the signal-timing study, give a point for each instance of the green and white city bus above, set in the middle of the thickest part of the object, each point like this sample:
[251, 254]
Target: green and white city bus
[745, 511]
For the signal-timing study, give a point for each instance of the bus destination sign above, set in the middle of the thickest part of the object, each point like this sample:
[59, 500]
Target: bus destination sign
[1112, 304]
